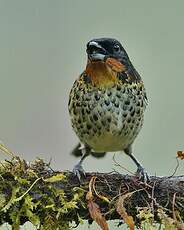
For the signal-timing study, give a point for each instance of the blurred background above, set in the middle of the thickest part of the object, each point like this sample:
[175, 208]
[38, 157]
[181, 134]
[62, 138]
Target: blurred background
[42, 52]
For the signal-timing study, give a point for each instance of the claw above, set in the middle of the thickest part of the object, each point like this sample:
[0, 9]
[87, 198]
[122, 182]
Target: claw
[142, 174]
[79, 171]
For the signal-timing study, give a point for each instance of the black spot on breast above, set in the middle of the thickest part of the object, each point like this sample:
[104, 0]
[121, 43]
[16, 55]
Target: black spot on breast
[77, 96]
[89, 126]
[81, 126]
[78, 104]
[126, 133]
[69, 101]
[145, 96]
[138, 111]
[87, 79]
[91, 119]
[129, 120]
[95, 117]
[116, 104]
[103, 122]
[138, 103]
[123, 90]
[109, 119]
[118, 87]
[132, 113]
[107, 102]
[128, 90]
[95, 130]
[100, 113]
[109, 93]
[127, 102]
[115, 122]
[118, 95]
[131, 108]
[113, 100]
[125, 107]
[97, 97]
[83, 111]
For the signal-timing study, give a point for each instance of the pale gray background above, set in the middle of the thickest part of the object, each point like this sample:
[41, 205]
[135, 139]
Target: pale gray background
[42, 52]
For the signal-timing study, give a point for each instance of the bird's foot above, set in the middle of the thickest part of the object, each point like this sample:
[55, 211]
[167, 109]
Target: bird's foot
[142, 174]
[79, 171]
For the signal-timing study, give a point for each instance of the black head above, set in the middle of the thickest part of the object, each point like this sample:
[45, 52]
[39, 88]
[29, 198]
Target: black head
[102, 48]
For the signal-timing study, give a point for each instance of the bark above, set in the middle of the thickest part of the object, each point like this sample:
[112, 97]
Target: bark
[158, 192]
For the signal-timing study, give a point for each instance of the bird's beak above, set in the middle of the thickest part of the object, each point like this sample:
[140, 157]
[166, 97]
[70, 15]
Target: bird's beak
[95, 51]
[96, 57]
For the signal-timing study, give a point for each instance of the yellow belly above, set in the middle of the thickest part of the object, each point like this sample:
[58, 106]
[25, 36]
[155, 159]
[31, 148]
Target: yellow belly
[108, 143]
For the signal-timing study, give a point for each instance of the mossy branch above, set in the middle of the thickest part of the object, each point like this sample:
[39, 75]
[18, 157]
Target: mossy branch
[36, 193]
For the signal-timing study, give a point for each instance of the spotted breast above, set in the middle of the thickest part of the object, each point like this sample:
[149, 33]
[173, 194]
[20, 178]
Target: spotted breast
[107, 117]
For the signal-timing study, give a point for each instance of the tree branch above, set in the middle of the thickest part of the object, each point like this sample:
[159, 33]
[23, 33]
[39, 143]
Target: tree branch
[36, 193]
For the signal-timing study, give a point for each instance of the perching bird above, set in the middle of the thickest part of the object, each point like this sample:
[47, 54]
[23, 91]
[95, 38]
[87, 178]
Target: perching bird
[107, 103]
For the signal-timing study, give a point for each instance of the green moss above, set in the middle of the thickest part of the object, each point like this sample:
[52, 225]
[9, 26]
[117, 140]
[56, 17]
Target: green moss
[32, 195]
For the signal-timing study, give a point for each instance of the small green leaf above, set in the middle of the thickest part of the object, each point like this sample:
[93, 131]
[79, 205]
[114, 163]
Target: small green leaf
[12, 200]
[58, 177]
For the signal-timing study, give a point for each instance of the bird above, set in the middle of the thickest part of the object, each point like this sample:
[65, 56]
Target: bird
[107, 104]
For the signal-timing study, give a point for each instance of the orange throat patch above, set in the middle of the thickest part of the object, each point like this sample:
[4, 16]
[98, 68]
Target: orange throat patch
[104, 74]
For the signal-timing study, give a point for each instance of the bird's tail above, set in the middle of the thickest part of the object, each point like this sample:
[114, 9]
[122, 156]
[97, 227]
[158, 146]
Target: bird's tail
[77, 152]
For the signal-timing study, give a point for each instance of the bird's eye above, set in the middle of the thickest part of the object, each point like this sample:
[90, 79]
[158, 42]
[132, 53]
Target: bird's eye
[117, 48]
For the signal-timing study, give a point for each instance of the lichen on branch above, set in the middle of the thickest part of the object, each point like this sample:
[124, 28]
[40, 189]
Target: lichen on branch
[56, 200]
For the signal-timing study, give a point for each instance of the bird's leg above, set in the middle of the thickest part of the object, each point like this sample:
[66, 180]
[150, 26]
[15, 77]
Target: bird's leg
[141, 172]
[78, 169]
